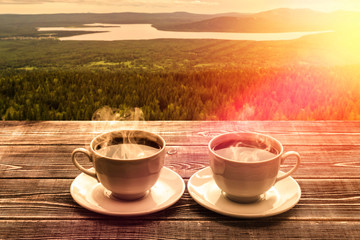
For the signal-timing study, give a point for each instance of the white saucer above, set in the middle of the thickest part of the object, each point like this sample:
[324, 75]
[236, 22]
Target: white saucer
[284, 195]
[90, 194]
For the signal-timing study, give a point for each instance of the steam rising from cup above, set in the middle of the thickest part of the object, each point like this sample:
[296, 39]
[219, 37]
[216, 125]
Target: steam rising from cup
[131, 145]
[246, 151]
[107, 113]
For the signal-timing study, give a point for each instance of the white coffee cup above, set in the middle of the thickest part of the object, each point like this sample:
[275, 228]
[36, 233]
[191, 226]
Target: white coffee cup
[128, 173]
[245, 179]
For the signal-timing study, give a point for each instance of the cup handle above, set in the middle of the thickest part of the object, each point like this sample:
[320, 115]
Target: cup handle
[283, 157]
[81, 168]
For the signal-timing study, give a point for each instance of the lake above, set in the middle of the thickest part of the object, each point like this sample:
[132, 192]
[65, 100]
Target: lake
[113, 32]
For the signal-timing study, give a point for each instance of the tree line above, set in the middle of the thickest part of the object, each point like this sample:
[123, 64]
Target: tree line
[292, 92]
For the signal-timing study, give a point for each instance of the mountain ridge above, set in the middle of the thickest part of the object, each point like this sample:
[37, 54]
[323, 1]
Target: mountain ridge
[275, 20]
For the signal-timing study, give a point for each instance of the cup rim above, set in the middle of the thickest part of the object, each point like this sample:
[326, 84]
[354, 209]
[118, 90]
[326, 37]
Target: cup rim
[92, 143]
[247, 133]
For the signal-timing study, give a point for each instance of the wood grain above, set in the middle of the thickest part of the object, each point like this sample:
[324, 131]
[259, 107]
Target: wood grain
[48, 198]
[201, 126]
[142, 229]
[36, 173]
[178, 133]
[54, 161]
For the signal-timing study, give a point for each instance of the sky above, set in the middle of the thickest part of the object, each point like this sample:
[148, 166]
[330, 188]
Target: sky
[193, 6]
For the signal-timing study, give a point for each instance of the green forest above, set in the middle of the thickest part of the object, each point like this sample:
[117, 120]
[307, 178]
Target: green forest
[303, 79]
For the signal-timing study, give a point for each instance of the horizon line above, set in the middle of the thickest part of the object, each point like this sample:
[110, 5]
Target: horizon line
[272, 9]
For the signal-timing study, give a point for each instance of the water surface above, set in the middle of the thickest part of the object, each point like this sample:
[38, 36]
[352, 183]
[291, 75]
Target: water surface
[112, 32]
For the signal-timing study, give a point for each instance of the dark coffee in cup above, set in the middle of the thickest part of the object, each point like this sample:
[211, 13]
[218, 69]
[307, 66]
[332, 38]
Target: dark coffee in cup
[127, 148]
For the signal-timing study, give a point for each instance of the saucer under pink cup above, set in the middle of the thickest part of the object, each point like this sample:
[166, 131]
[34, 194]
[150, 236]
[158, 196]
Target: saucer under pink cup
[245, 182]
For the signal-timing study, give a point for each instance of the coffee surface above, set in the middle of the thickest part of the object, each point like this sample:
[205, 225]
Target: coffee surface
[244, 152]
[127, 151]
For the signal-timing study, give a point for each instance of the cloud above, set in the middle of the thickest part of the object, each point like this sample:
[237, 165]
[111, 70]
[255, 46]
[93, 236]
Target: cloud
[115, 2]
[195, 6]
[34, 1]
[18, 2]
[112, 2]
[198, 2]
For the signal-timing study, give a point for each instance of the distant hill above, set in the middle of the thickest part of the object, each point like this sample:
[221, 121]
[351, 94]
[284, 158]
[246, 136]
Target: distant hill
[277, 20]
[26, 24]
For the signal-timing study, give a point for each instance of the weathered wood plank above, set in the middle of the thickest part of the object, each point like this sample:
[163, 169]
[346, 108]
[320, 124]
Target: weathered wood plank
[336, 200]
[54, 161]
[36, 173]
[182, 139]
[139, 229]
[179, 133]
[166, 126]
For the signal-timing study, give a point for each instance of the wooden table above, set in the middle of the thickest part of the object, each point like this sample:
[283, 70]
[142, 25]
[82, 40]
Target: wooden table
[36, 173]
